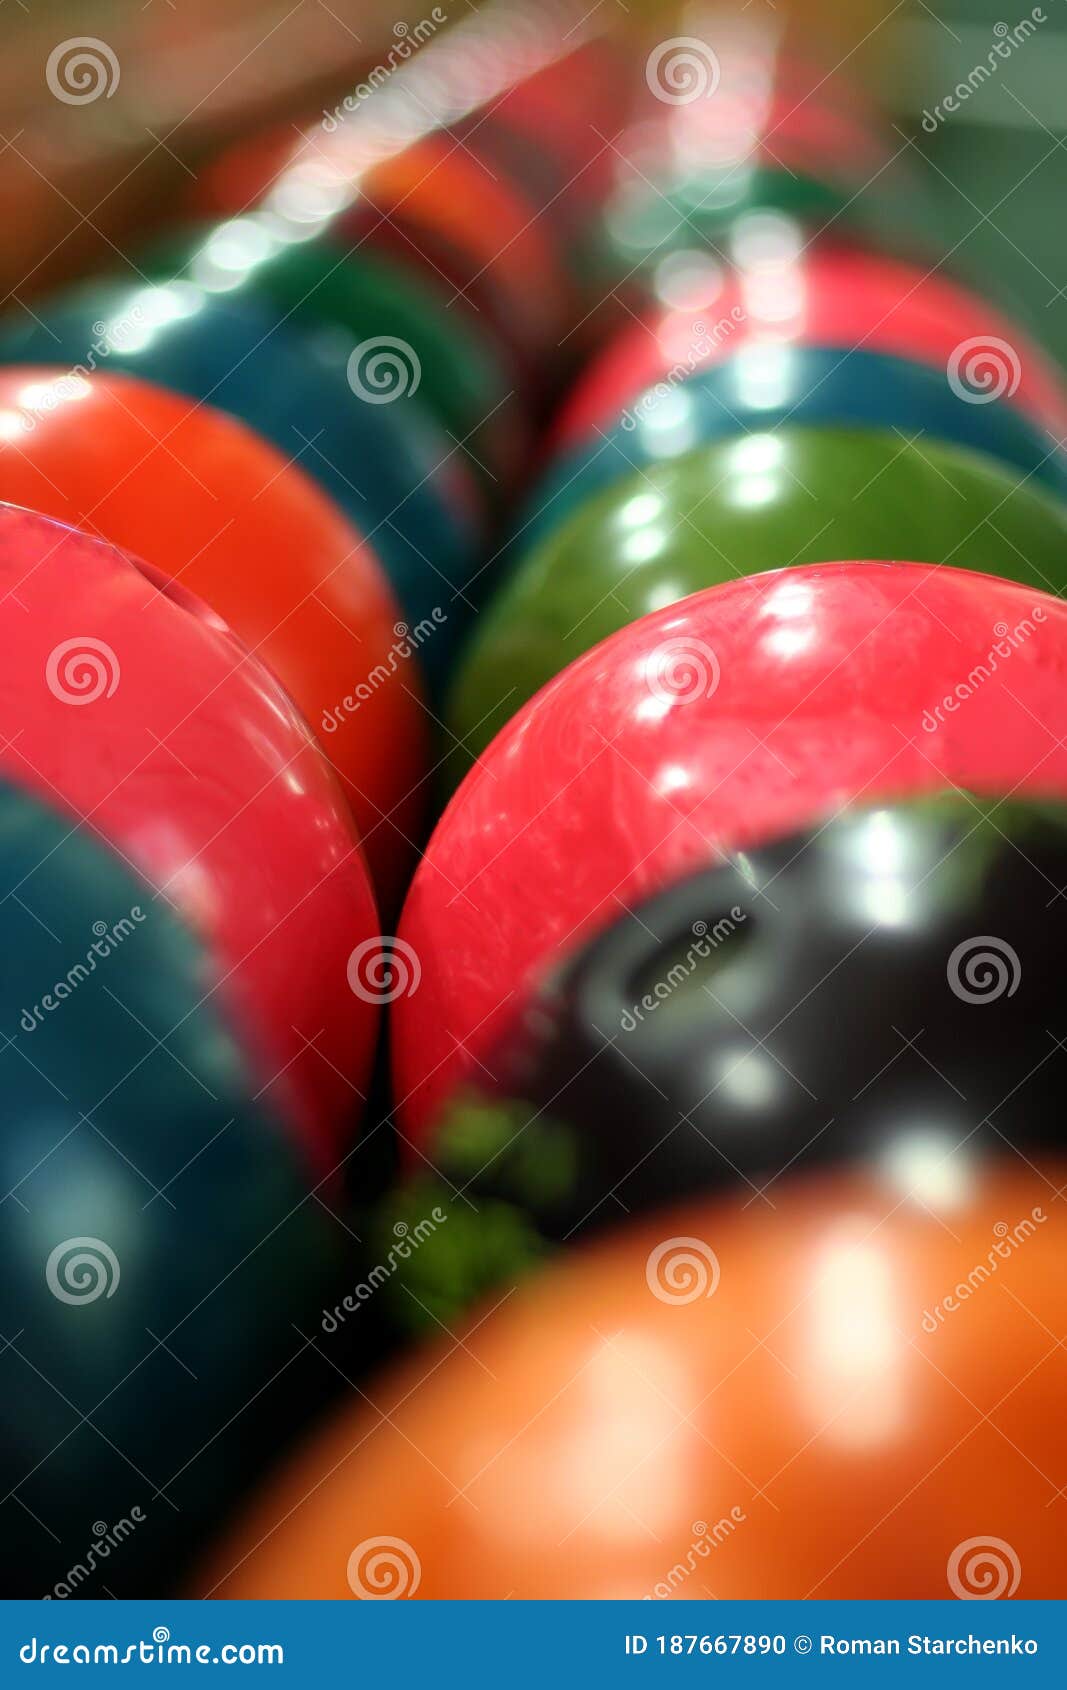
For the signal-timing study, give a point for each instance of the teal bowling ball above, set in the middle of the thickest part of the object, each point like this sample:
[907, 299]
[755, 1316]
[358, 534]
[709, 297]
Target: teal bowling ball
[158, 1241]
[395, 472]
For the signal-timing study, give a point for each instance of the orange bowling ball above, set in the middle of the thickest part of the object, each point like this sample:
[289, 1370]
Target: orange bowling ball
[216, 508]
[856, 1390]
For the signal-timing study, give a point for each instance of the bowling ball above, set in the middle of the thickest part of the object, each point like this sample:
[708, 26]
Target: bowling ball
[777, 289]
[214, 507]
[763, 387]
[454, 367]
[645, 219]
[857, 1395]
[548, 133]
[792, 496]
[385, 463]
[437, 201]
[751, 123]
[158, 1240]
[127, 701]
[434, 207]
[754, 709]
[684, 1048]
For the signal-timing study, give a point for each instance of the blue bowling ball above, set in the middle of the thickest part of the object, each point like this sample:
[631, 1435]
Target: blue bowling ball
[159, 1246]
[767, 385]
[387, 462]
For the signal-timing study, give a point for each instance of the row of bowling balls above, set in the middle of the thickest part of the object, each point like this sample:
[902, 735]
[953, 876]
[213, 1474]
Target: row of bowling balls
[174, 1200]
[806, 406]
[811, 1085]
[366, 345]
[806, 1104]
[791, 446]
[191, 892]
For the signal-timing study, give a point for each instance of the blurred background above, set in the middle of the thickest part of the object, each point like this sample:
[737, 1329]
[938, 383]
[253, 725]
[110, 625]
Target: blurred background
[196, 73]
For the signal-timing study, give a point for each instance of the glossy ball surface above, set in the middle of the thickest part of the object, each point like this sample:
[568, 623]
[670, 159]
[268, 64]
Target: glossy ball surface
[157, 1241]
[780, 291]
[124, 699]
[216, 509]
[733, 509]
[879, 992]
[750, 710]
[718, 1402]
[387, 465]
[764, 388]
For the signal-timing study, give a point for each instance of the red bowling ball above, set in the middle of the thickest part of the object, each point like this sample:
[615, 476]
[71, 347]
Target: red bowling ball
[742, 713]
[129, 702]
[206, 501]
[831, 296]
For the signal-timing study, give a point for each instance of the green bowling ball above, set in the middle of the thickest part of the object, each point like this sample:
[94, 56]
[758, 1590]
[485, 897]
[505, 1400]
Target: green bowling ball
[459, 375]
[764, 501]
[644, 222]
